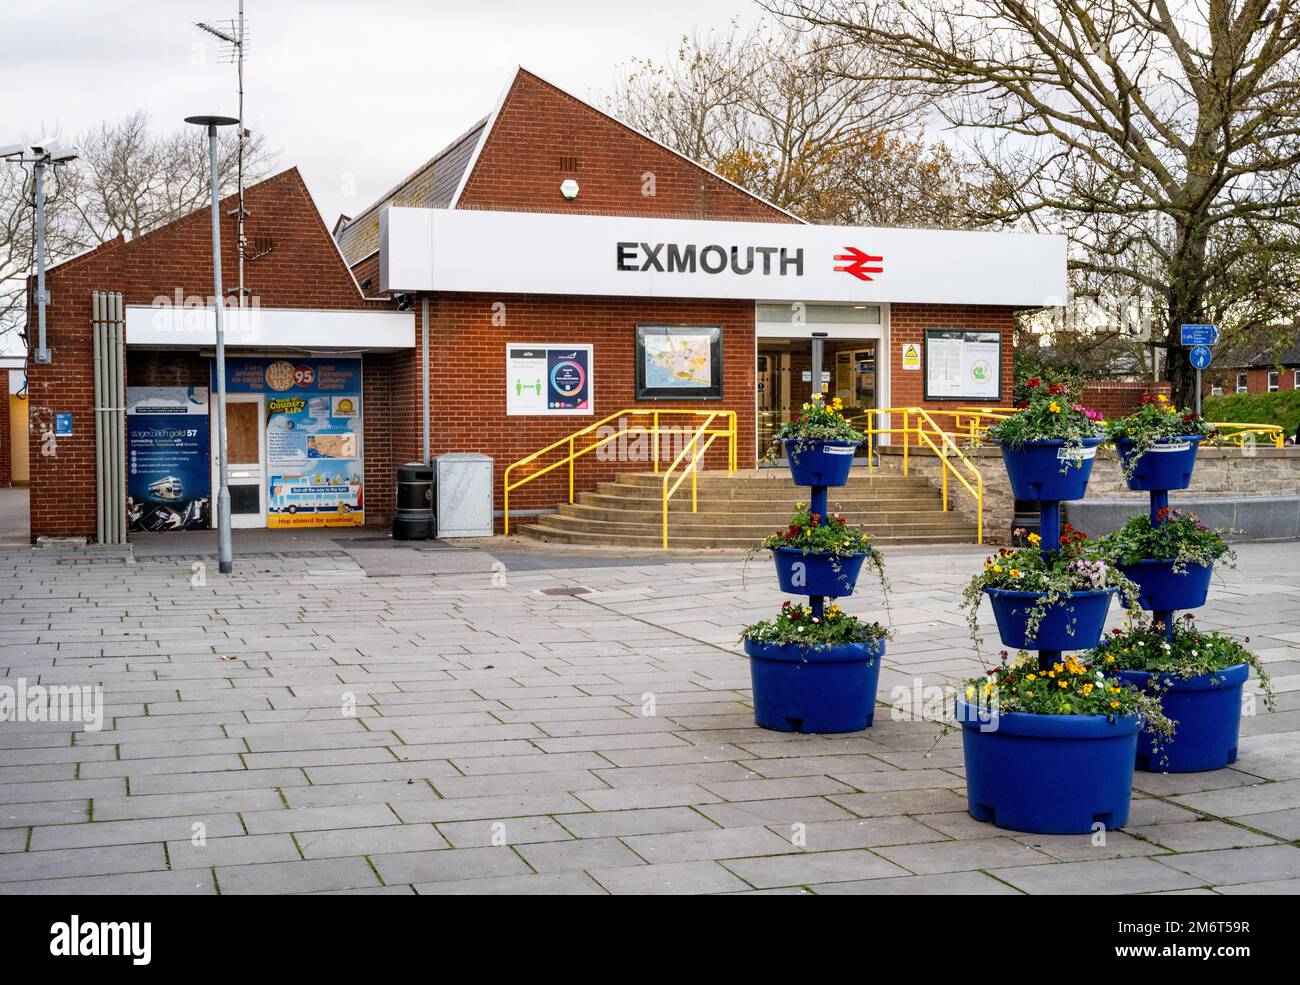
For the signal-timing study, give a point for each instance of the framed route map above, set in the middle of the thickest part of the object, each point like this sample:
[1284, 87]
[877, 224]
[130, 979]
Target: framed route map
[679, 362]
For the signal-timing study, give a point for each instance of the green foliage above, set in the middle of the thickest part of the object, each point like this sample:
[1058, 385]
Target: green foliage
[1076, 565]
[1153, 420]
[1191, 653]
[1282, 408]
[808, 533]
[819, 421]
[797, 624]
[1178, 536]
[1028, 364]
[1067, 688]
[1048, 413]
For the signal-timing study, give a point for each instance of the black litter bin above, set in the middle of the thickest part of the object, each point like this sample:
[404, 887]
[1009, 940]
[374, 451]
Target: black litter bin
[413, 518]
[1027, 518]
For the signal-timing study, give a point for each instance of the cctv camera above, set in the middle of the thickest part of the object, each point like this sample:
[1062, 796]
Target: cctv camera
[9, 150]
[63, 155]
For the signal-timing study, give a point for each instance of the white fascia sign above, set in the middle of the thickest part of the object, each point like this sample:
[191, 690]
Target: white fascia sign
[470, 250]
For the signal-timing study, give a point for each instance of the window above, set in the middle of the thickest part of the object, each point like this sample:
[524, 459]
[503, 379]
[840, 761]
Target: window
[1274, 381]
[1295, 380]
[1216, 391]
[1241, 383]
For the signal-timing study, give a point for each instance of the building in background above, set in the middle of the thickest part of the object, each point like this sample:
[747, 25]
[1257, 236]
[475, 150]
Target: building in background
[572, 268]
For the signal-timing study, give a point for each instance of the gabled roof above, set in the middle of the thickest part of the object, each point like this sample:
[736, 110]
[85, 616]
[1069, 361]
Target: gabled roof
[440, 182]
[1259, 354]
[431, 186]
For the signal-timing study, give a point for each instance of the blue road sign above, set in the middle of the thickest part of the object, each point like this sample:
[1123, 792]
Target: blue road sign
[1200, 356]
[1200, 334]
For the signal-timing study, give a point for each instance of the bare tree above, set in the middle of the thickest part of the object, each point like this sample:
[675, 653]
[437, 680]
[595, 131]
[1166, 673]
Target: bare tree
[791, 115]
[128, 180]
[1162, 135]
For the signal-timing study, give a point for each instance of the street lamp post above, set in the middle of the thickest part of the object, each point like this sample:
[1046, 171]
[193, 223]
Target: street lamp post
[40, 156]
[225, 553]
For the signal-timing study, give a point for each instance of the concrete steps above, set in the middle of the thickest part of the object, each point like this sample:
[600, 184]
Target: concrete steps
[739, 511]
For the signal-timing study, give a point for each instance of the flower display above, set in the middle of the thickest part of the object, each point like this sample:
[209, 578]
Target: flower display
[1184, 651]
[819, 420]
[797, 624]
[1047, 414]
[1177, 536]
[1076, 564]
[812, 533]
[1155, 418]
[1068, 687]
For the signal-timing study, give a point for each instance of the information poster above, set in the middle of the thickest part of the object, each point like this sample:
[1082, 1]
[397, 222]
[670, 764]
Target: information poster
[167, 444]
[963, 365]
[548, 379]
[314, 460]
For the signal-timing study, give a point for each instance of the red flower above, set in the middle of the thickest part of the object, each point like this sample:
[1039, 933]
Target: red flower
[1189, 418]
[1033, 382]
[1021, 404]
[1056, 388]
[1162, 513]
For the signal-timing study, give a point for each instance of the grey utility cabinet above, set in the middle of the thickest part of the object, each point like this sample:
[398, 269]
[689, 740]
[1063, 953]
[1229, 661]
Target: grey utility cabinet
[464, 490]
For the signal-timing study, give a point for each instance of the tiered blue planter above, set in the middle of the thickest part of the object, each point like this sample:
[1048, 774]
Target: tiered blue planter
[820, 463]
[816, 574]
[1206, 709]
[1080, 617]
[1036, 469]
[816, 688]
[1049, 774]
[1167, 465]
[1161, 589]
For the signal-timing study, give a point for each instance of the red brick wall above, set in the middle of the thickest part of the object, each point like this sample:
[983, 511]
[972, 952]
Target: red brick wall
[1117, 398]
[6, 440]
[519, 166]
[908, 322]
[303, 270]
[468, 356]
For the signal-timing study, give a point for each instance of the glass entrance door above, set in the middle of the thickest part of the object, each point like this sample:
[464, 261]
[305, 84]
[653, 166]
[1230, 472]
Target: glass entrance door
[783, 380]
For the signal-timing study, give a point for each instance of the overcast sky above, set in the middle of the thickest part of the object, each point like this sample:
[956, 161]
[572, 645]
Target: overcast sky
[364, 88]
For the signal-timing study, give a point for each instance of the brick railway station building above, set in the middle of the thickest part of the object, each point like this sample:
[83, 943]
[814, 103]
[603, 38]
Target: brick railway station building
[571, 268]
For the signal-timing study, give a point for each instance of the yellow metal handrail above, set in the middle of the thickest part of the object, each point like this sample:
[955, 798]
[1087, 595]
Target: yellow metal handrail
[1236, 433]
[654, 428]
[919, 422]
[693, 469]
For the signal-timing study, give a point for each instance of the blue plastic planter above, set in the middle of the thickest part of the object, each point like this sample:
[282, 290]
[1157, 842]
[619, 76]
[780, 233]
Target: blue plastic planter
[1074, 623]
[1160, 590]
[816, 574]
[1050, 774]
[1035, 469]
[1167, 465]
[1208, 712]
[815, 689]
[820, 463]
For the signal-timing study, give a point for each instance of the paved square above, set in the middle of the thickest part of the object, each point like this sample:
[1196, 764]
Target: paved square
[362, 717]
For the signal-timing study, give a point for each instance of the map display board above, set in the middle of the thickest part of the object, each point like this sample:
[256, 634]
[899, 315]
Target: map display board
[962, 364]
[676, 362]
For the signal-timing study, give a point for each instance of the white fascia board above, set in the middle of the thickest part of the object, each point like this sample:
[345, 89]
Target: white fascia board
[173, 326]
[464, 250]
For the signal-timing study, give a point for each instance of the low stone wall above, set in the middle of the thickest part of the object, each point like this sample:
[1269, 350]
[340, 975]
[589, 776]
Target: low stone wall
[1221, 472]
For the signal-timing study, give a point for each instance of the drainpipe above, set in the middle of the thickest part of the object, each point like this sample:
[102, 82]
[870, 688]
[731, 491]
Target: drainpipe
[424, 359]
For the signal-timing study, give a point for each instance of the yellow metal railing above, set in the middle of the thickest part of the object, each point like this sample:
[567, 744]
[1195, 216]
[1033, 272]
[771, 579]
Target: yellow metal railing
[1237, 434]
[634, 421]
[693, 469]
[920, 424]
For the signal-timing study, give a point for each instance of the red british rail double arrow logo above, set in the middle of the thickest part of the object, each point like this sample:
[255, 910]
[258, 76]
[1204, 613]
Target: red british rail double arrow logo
[857, 263]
